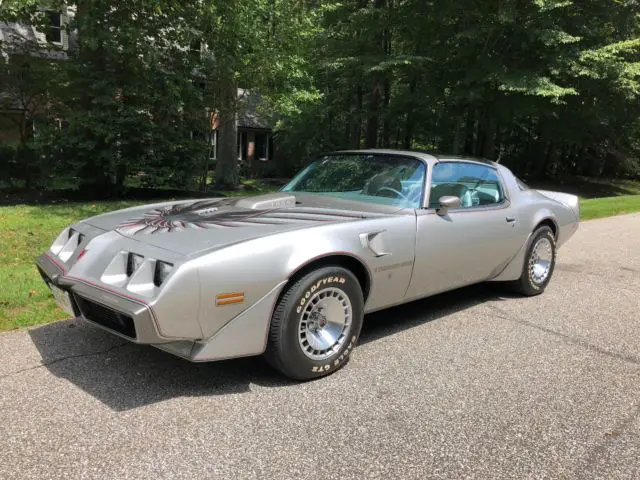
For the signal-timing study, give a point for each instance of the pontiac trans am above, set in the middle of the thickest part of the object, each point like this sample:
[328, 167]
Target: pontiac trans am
[291, 274]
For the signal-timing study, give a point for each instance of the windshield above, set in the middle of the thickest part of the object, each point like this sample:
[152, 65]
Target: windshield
[373, 178]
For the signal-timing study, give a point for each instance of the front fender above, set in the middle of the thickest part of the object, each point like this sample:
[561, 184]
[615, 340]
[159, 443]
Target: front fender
[254, 268]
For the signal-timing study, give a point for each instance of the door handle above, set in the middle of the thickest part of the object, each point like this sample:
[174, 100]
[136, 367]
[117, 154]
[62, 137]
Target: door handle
[511, 219]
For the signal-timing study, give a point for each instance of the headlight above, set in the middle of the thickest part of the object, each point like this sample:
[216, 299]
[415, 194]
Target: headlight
[66, 243]
[163, 270]
[133, 263]
[61, 241]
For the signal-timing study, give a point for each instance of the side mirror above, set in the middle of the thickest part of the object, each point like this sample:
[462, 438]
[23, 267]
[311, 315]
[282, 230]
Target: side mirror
[446, 203]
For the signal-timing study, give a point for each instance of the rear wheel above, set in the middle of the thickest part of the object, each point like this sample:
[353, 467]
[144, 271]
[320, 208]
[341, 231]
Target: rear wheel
[316, 324]
[539, 263]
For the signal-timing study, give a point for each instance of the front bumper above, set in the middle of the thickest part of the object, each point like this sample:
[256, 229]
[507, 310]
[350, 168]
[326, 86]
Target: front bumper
[126, 317]
[132, 319]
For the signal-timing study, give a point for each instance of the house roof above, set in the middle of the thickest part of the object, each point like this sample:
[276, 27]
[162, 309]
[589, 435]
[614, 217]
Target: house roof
[249, 114]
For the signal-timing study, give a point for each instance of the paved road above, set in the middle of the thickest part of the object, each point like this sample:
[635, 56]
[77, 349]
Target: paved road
[473, 384]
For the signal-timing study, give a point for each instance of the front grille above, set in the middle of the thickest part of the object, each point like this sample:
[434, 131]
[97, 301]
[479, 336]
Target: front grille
[106, 316]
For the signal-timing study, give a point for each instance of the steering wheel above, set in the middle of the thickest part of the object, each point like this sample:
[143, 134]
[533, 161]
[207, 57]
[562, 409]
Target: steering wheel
[393, 190]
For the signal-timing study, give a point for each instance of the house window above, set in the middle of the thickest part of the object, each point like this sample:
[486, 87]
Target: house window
[262, 147]
[54, 30]
[213, 145]
[242, 146]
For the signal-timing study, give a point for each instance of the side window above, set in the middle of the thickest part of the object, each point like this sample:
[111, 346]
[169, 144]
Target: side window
[476, 185]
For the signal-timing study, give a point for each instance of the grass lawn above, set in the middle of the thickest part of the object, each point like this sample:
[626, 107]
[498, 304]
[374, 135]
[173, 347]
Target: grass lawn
[605, 207]
[27, 231]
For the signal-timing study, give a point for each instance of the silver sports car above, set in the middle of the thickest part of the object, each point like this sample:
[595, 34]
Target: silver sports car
[291, 274]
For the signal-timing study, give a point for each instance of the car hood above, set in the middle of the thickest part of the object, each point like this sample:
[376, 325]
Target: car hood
[195, 226]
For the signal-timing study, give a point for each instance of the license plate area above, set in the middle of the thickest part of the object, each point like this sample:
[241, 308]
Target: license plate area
[63, 299]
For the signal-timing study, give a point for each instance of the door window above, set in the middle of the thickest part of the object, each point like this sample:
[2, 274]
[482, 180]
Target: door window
[476, 185]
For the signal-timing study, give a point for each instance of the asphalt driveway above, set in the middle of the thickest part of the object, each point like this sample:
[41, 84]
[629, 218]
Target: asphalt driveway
[470, 384]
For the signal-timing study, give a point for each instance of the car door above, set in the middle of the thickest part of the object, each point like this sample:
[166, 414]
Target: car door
[468, 244]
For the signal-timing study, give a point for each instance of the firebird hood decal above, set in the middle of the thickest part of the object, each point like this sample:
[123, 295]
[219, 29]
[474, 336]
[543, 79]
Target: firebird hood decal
[195, 226]
[212, 214]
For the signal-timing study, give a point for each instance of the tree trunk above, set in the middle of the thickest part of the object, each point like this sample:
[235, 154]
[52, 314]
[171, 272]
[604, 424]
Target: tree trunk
[227, 165]
[456, 147]
[408, 129]
[470, 130]
[373, 119]
[356, 125]
[487, 136]
[375, 96]
[121, 176]
[386, 123]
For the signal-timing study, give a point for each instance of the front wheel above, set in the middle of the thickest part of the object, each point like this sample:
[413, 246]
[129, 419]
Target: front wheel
[316, 324]
[539, 263]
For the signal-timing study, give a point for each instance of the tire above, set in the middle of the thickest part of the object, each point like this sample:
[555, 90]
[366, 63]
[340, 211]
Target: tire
[535, 278]
[328, 301]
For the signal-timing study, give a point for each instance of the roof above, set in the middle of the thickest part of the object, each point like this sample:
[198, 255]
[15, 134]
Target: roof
[460, 158]
[249, 114]
[389, 151]
[422, 154]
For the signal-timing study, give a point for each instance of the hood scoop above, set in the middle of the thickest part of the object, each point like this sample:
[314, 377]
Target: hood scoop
[267, 202]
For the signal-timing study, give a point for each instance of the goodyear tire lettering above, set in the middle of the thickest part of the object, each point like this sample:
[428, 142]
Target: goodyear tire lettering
[315, 287]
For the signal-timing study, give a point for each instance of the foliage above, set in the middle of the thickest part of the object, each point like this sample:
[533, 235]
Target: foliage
[549, 87]
[145, 80]
[256, 44]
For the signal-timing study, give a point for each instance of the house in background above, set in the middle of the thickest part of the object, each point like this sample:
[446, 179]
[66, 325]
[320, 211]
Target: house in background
[15, 36]
[255, 139]
[255, 134]
[19, 102]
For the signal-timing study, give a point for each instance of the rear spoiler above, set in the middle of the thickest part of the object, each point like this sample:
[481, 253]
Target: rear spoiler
[567, 199]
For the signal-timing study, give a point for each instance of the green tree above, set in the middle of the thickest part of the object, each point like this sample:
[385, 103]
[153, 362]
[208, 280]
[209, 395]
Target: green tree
[547, 86]
[258, 45]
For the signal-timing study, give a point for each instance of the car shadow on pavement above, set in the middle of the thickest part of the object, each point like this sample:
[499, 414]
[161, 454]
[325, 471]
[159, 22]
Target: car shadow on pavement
[393, 320]
[125, 376]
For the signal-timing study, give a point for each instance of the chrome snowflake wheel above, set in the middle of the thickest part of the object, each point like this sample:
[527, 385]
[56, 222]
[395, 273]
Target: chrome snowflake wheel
[540, 260]
[325, 323]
